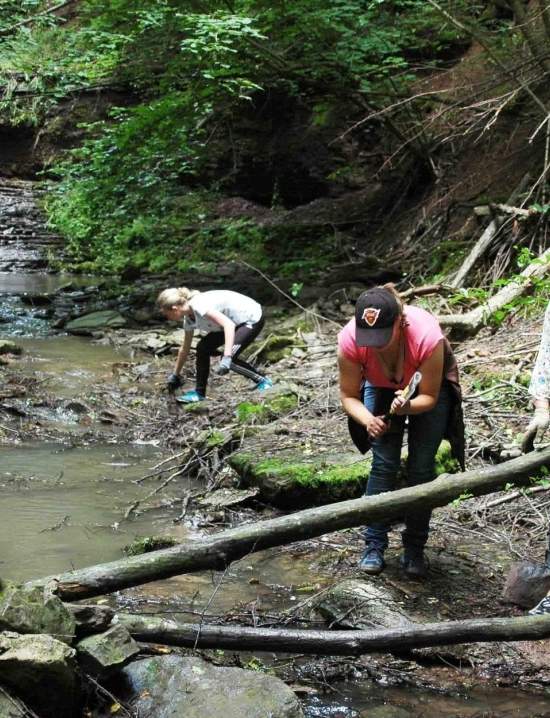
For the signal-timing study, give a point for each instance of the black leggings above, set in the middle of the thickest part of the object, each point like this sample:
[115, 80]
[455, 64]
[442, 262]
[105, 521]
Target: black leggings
[208, 346]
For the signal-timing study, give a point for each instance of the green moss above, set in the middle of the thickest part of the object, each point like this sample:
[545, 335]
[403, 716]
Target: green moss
[259, 413]
[307, 474]
[282, 404]
[216, 438]
[145, 544]
[248, 413]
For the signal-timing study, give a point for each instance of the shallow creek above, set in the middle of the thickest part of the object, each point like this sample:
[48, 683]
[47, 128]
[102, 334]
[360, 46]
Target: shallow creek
[64, 505]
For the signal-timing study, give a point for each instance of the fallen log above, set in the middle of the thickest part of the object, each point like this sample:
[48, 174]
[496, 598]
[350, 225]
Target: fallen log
[151, 629]
[219, 550]
[471, 322]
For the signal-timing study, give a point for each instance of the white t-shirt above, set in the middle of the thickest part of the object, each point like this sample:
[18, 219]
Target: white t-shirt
[237, 307]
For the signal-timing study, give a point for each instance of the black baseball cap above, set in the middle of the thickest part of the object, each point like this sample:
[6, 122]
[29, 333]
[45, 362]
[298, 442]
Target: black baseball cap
[375, 312]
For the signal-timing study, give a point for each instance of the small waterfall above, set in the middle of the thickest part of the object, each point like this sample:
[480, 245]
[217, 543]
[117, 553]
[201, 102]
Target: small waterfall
[26, 244]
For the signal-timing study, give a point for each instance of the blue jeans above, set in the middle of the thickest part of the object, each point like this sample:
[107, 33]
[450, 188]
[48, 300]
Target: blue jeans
[425, 432]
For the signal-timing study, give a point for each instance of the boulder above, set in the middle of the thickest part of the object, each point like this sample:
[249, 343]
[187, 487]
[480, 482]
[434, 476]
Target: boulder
[41, 671]
[89, 323]
[290, 480]
[102, 653]
[27, 609]
[363, 605]
[167, 686]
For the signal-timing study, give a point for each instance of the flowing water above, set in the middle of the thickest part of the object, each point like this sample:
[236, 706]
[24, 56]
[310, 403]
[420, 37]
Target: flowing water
[64, 506]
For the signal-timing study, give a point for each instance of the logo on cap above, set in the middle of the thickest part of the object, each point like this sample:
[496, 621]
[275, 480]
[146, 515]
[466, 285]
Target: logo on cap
[370, 316]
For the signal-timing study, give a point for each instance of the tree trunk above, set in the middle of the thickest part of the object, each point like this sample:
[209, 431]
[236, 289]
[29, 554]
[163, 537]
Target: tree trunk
[471, 322]
[219, 550]
[151, 629]
[526, 27]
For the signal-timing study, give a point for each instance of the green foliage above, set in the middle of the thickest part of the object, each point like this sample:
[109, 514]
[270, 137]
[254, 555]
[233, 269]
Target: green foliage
[460, 499]
[139, 191]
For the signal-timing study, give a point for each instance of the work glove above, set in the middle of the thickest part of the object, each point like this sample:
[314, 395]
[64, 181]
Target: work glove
[537, 427]
[173, 382]
[224, 366]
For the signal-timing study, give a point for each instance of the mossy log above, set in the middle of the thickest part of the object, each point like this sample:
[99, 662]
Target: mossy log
[151, 629]
[219, 550]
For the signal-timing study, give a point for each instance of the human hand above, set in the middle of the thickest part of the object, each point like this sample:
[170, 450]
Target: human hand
[376, 426]
[173, 382]
[536, 429]
[400, 405]
[224, 366]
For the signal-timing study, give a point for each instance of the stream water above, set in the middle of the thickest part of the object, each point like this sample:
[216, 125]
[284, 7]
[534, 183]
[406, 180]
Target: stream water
[64, 505]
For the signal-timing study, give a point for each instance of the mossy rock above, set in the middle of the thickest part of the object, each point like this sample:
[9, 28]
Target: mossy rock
[29, 609]
[278, 346]
[272, 404]
[289, 481]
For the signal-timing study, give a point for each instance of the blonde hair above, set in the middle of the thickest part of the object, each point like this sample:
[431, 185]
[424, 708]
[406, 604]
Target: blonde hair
[175, 296]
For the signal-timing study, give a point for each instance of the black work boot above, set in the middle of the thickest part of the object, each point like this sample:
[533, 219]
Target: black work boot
[413, 563]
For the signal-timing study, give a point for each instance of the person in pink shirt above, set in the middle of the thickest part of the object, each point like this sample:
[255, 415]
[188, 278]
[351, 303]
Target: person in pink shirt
[379, 350]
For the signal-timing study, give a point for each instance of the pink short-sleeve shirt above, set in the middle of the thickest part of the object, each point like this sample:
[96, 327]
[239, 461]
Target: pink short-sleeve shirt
[422, 335]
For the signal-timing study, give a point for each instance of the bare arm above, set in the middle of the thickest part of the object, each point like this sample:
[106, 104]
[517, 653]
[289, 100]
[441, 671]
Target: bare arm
[183, 352]
[350, 388]
[428, 389]
[228, 329]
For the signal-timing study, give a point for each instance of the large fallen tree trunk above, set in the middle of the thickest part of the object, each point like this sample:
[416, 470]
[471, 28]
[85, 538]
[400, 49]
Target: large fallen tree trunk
[471, 322]
[151, 629]
[217, 551]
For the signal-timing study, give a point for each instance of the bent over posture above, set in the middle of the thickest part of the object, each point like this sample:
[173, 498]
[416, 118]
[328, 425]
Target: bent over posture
[378, 352]
[229, 319]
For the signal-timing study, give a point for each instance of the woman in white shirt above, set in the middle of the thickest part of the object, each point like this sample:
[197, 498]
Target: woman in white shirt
[228, 318]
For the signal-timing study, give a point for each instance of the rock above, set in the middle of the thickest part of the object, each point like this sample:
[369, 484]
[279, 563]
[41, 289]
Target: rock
[103, 653]
[38, 299]
[30, 610]
[363, 605]
[77, 407]
[168, 686]
[7, 347]
[228, 497]
[90, 618]
[150, 341]
[291, 480]
[276, 347]
[41, 671]
[89, 323]
[175, 338]
[526, 584]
